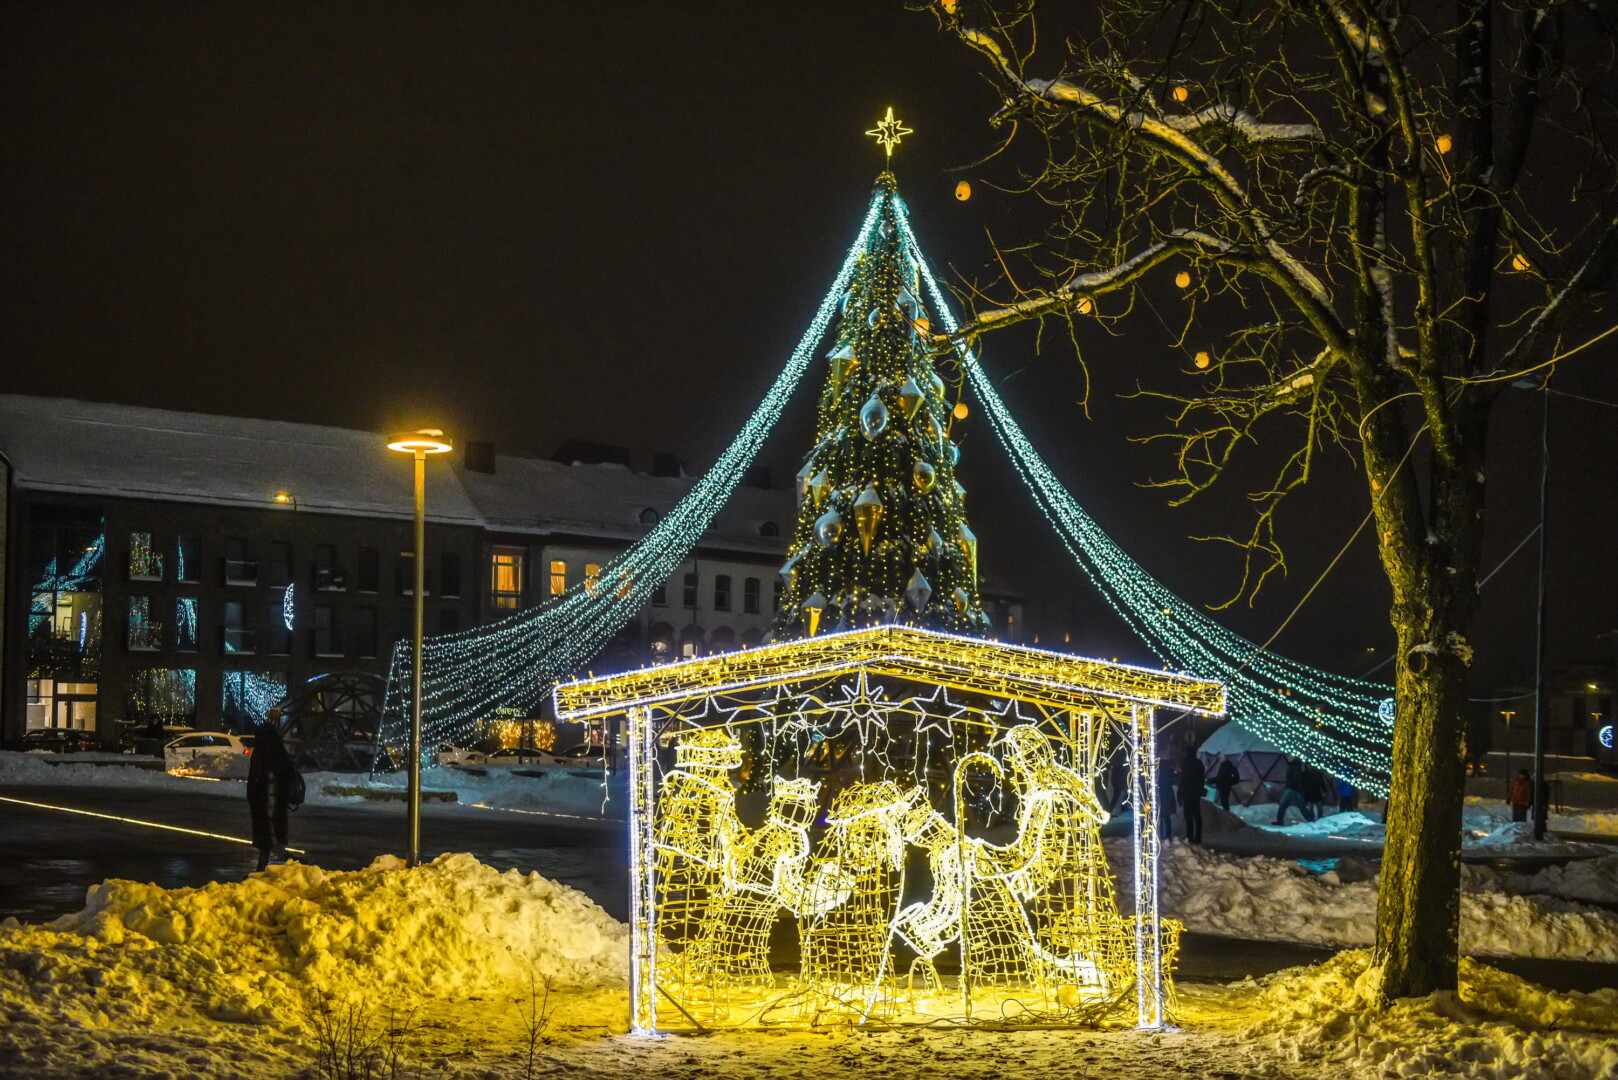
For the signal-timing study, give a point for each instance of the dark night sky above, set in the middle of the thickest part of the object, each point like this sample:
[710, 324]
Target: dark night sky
[538, 221]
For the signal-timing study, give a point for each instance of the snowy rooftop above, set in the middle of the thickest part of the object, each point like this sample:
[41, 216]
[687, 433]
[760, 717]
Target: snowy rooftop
[90, 448]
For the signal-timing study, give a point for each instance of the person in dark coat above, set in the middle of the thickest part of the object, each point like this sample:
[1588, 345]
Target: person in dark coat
[1193, 785]
[1293, 795]
[1314, 793]
[1225, 779]
[270, 775]
[1165, 798]
[1348, 796]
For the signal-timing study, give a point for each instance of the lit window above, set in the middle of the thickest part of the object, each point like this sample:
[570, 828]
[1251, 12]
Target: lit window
[592, 577]
[721, 592]
[144, 634]
[145, 561]
[750, 596]
[558, 577]
[505, 579]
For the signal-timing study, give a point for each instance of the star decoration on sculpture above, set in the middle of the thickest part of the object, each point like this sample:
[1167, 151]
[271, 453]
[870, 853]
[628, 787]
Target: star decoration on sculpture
[861, 707]
[935, 712]
[888, 131]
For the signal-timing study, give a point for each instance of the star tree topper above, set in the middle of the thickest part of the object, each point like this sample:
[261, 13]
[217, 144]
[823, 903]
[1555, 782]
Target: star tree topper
[888, 131]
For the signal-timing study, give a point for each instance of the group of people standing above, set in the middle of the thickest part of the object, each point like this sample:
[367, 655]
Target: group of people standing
[1182, 786]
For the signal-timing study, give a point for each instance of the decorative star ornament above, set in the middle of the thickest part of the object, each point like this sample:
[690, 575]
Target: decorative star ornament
[861, 708]
[888, 131]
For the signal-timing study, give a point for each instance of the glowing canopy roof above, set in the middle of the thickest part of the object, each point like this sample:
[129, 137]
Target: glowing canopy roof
[929, 656]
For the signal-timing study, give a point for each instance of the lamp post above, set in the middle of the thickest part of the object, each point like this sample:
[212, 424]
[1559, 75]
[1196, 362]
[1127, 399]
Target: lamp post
[418, 444]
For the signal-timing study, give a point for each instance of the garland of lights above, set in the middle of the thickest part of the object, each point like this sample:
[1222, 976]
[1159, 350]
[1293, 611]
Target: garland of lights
[514, 662]
[1342, 725]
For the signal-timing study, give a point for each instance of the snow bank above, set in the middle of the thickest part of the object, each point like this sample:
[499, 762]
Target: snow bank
[562, 792]
[1278, 900]
[1497, 1026]
[34, 770]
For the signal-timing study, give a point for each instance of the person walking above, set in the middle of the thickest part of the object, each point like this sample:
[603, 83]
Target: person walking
[1520, 795]
[1193, 785]
[1348, 796]
[1293, 793]
[1165, 798]
[1225, 779]
[1314, 793]
[273, 787]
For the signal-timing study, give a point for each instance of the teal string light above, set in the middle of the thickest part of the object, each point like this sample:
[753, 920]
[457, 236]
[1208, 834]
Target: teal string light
[513, 663]
[1340, 724]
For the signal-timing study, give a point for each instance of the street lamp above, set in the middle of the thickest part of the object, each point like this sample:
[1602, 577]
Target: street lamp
[418, 444]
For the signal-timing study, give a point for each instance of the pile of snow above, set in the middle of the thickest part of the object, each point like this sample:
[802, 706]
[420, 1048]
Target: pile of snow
[1592, 880]
[1517, 838]
[1496, 1026]
[563, 792]
[35, 770]
[1277, 900]
[1483, 816]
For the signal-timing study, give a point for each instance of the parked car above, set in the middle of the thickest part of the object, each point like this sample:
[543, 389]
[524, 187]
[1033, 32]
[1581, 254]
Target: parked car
[55, 741]
[460, 755]
[582, 756]
[217, 754]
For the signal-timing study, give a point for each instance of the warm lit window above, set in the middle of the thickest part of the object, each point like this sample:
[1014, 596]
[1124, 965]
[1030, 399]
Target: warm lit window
[592, 577]
[505, 579]
[721, 592]
[750, 596]
[558, 577]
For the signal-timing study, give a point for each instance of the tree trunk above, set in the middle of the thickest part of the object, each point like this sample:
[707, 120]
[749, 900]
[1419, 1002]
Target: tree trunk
[1418, 905]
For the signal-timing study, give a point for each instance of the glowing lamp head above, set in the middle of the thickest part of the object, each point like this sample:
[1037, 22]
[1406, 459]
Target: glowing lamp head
[1202, 359]
[963, 191]
[425, 441]
[1444, 144]
[1181, 93]
[283, 496]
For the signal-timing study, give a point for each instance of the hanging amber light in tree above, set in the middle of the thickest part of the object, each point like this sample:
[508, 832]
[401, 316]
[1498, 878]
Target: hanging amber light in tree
[1085, 306]
[1444, 144]
[960, 410]
[1202, 359]
[1519, 262]
[1183, 279]
[1181, 93]
[963, 191]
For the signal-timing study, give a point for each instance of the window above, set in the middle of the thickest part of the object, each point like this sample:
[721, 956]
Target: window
[449, 573]
[327, 642]
[278, 570]
[365, 631]
[279, 617]
[769, 528]
[721, 592]
[239, 569]
[365, 570]
[660, 595]
[405, 578]
[329, 576]
[188, 557]
[592, 578]
[237, 637]
[648, 516]
[558, 577]
[449, 620]
[249, 696]
[185, 624]
[505, 578]
[165, 694]
[145, 561]
[750, 596]
[144, 634]
[775, 596]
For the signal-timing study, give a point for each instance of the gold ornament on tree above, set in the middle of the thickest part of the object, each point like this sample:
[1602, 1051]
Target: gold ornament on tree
[867, 515]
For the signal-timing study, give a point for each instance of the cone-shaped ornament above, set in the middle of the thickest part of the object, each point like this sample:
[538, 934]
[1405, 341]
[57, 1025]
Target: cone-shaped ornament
[874, 417]
[935, 543]
[967, 540]
[813, 608]
[843, 361]
[867, 514]
[828, 527]
[819, 486]
[907, 303]
[938, 385]
[909, 398]
[918, 591]
[790, 567]
[802, 479]
[924, 476]
[954, 454]
[961, 601]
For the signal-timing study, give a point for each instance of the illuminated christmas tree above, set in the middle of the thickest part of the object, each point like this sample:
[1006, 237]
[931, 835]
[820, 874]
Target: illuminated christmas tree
[881, 535]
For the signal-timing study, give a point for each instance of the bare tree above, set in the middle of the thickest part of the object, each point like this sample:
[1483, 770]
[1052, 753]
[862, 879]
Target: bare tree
[1416, 200]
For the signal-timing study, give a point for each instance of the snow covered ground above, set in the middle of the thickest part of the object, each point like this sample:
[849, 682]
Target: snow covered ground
[257, 978]
[1481, 820]
[1271, 899]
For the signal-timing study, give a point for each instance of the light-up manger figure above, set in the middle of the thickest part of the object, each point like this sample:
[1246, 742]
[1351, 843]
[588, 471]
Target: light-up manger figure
[873, 881]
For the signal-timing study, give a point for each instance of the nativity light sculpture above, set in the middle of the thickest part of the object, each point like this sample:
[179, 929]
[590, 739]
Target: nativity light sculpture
[918, 837]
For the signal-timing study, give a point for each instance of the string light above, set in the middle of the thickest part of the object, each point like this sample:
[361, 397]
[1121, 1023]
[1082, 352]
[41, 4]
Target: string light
[1035, 917]
[1332, 721]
